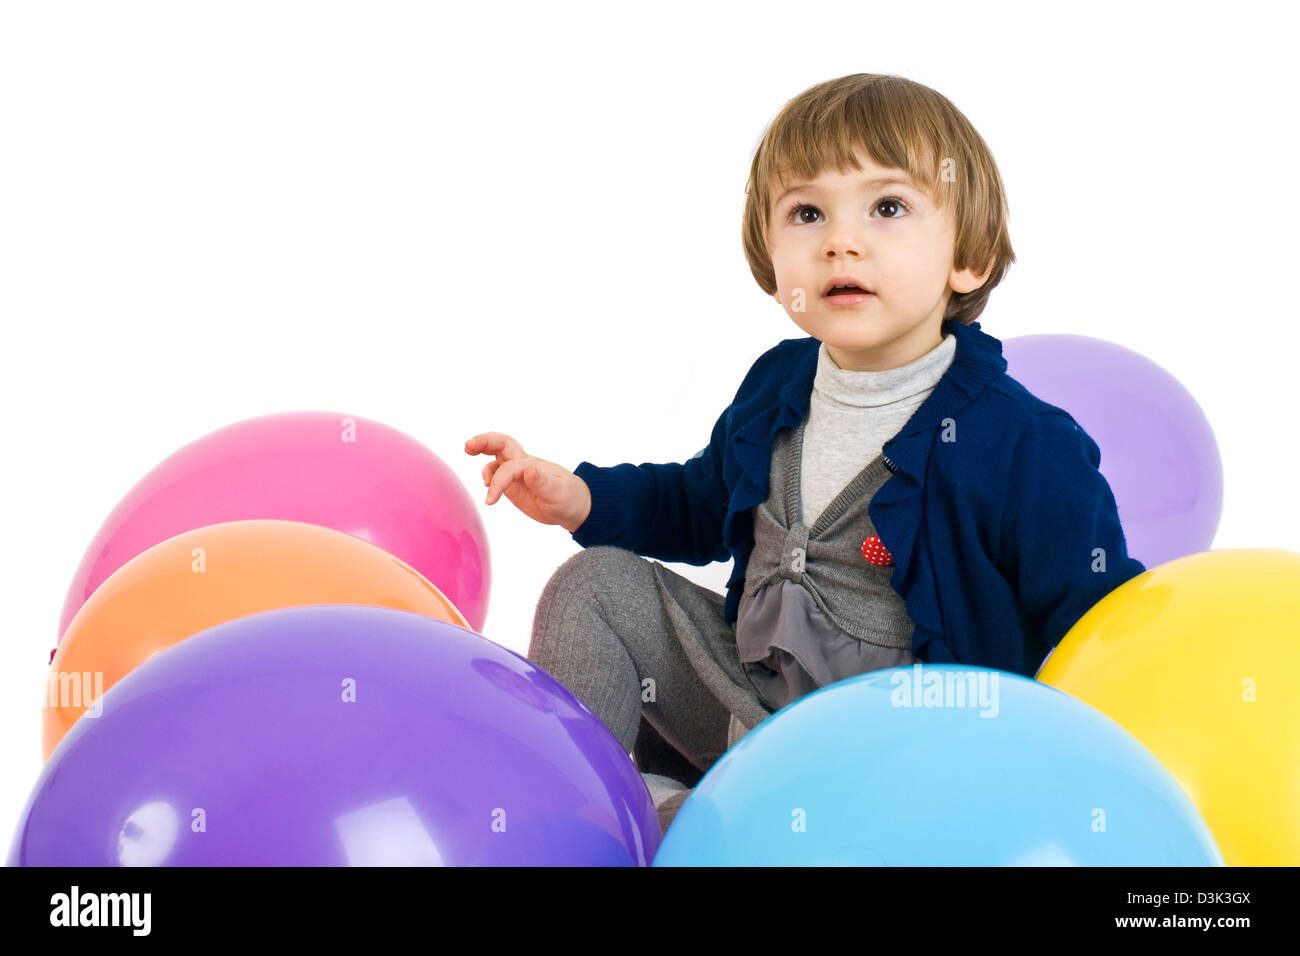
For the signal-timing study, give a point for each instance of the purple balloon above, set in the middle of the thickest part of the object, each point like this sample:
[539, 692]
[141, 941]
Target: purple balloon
[1158, 451]
[239, 746]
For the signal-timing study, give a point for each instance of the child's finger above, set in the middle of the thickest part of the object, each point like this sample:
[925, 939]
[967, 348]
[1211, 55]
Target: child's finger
[494, 443]
[503, 478]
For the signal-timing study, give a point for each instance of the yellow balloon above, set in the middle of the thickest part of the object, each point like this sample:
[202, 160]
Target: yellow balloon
[1199, 658]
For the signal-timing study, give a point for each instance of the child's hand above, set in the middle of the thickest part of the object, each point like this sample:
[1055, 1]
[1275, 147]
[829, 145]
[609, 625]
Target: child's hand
[546, 492]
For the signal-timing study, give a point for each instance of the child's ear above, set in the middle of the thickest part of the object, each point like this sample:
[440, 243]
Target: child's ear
[966, 280]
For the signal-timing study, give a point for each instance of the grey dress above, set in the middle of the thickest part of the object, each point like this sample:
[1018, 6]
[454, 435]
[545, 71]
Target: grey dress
[814, 610]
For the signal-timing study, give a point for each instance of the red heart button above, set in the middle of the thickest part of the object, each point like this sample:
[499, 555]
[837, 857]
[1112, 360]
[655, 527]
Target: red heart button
[873, 549]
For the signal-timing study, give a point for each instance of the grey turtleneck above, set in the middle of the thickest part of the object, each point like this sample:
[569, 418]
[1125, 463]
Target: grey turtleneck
[852, 414]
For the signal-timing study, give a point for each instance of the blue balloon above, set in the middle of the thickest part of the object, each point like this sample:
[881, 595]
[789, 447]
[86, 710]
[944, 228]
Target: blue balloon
[938, 765]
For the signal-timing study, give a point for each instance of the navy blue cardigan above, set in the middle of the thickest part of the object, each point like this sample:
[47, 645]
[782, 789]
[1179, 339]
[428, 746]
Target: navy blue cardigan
[1002, 529]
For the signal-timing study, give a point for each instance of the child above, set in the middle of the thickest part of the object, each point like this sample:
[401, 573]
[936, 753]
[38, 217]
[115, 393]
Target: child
[887, 492]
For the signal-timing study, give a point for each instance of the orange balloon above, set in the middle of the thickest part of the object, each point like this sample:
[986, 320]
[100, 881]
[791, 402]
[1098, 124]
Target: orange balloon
[209, 576]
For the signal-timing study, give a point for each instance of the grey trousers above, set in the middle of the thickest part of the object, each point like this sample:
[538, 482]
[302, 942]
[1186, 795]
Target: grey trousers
[651, 654]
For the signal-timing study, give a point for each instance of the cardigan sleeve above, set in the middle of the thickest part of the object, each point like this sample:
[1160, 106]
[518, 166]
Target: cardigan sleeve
[672, 512]
[1062, 548]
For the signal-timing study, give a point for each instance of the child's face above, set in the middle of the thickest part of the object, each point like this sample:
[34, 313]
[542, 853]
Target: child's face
[892, 239]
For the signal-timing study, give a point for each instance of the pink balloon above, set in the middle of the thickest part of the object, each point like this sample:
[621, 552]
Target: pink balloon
[338, 471]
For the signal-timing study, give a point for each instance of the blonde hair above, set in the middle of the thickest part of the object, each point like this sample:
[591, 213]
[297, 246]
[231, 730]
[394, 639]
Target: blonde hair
[900, 124]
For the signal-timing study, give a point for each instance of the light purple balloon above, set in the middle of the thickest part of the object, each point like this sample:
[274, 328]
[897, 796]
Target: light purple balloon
[455, 751]
[1158, 451]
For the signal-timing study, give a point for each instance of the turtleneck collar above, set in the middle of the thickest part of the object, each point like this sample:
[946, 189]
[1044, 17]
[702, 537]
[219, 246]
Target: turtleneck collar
[873, 389]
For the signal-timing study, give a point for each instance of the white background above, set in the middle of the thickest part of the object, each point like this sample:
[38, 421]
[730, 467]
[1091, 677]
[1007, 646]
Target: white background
[526, 218]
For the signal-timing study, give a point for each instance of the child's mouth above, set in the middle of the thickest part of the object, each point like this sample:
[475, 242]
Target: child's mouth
[848, 296]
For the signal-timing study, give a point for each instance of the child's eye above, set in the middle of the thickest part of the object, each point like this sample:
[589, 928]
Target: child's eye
[797, 208]
[893, 201]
